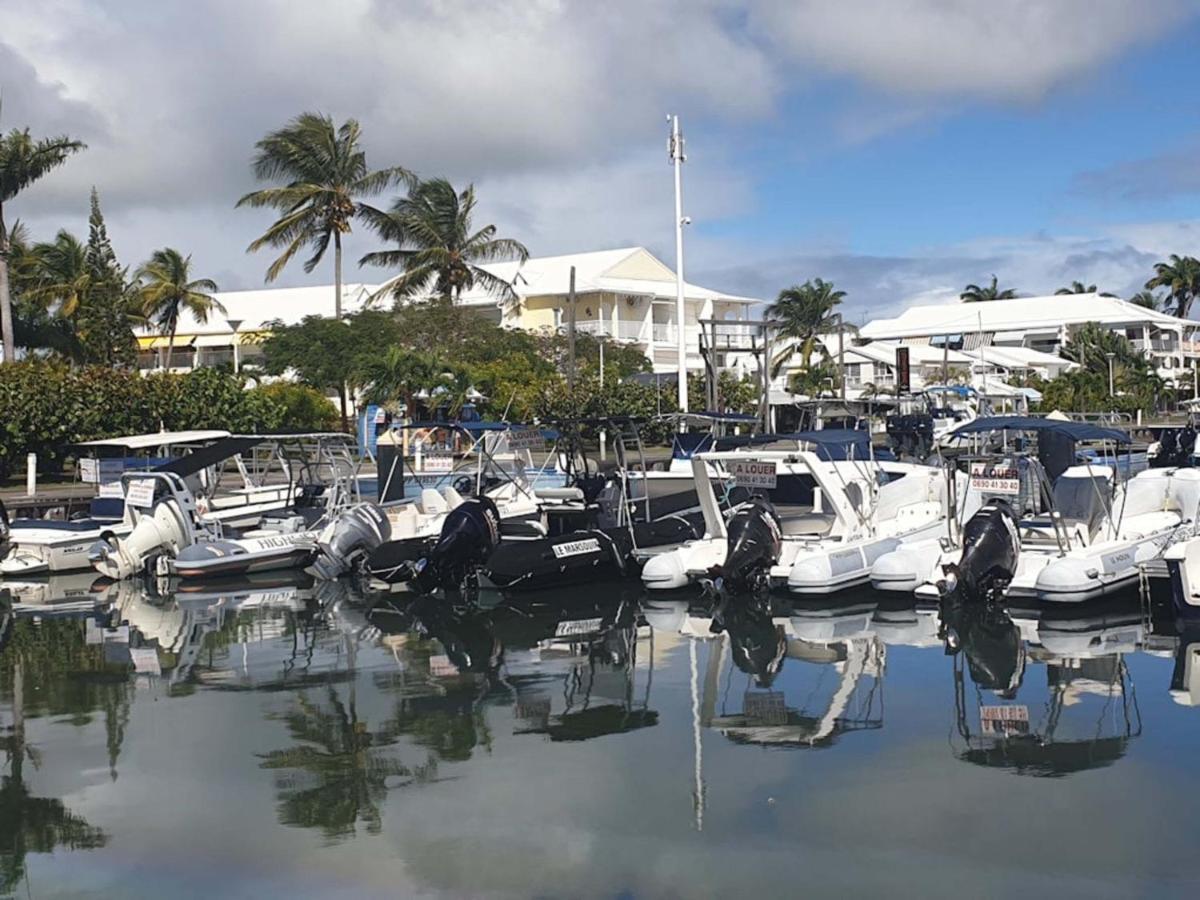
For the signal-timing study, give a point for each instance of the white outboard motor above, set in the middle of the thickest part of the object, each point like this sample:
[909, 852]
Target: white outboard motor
[351, 536]
[166, 529]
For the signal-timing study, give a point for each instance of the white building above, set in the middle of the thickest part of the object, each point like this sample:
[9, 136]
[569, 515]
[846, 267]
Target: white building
[625, 295]
[1043, 324]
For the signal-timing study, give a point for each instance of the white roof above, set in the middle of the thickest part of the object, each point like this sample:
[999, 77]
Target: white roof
[885, 352]
[629, 270]
[1043, 314]
[254, 308]
[158, 439]
[1019, 358]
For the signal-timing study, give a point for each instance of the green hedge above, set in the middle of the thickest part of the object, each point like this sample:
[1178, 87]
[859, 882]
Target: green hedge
[46, 406]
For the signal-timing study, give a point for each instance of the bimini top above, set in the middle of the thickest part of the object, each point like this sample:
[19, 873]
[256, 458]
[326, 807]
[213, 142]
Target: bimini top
[157, 439]
[830, 444]
[1078, 431]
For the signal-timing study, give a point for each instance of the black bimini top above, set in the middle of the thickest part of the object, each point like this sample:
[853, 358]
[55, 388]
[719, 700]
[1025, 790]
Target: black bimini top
[1078, 431]
[204, 457]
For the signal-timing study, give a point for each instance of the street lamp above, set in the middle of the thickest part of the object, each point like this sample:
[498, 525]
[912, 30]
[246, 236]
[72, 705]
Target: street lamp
[235, 324]
[1112, 392]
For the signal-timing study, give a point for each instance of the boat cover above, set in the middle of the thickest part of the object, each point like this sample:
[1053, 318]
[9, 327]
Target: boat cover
[1079, 431]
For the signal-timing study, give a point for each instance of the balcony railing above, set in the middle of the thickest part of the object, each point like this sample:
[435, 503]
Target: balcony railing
[623, 331]
[665, 333]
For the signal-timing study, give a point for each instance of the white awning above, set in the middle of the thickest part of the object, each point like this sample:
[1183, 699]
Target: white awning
[213, 340]
[1007, 337]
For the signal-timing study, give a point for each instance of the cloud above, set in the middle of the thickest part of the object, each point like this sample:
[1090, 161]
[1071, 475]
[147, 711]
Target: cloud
[1149, 178]
[1017, 50]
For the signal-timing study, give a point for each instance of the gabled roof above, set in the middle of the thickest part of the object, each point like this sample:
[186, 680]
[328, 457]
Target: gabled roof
[1043, 314]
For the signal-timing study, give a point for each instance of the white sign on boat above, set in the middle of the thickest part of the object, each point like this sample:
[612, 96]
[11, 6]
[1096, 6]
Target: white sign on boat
[89, 470]
[576, 548]
[751, 473]
[573, 627]
[438, 461]
[140, 493]
[995, 479]
[526, 439]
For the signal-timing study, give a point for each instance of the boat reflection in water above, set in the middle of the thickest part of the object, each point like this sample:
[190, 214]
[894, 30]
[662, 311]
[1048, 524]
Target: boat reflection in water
[1086, 713]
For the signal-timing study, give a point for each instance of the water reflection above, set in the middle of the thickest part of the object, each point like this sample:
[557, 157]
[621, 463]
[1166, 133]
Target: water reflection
[351, 714]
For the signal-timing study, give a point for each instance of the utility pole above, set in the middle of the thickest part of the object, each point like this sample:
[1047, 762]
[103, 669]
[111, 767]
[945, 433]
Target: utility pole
[841, 355]
[677, 157]
[571, 335]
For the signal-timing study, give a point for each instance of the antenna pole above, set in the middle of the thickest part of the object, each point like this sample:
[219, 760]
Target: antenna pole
[675, 151]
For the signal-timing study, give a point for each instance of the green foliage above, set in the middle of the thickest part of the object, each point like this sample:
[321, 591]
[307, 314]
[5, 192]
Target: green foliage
[300, 407]
[973, 293]
[817, 379]
[1137, 385]
[736, 395]
[438, 245]
[802, 313]
[45, 406]
[326, 353]
[166, 290]
[103, 319]
[1181, 277]
[590, 400]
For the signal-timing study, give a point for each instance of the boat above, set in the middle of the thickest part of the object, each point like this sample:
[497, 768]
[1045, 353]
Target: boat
[1045, 521]
[47, 546]
[170, 531]
[824, 507]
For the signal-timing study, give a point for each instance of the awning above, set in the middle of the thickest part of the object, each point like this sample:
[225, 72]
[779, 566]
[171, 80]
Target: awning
[146, 343]
[184, 340]
[1005, 337]
[214, 340]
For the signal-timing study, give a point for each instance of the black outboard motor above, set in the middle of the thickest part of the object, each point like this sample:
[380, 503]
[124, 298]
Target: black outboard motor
[470, 533]
[5, 530]
[991, 548]
[911, 435]
[755, 540]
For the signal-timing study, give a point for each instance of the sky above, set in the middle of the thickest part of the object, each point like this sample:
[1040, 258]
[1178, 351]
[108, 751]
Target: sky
[900, 148]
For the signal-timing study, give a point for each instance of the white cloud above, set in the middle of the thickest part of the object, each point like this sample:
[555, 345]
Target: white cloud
[1013, 50]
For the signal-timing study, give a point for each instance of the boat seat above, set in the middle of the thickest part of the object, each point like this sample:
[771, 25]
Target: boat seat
[801, 521]
[452, 497]
[432, 503]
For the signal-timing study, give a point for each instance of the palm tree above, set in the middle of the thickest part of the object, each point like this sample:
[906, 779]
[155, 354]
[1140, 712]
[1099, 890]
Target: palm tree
[1078, 287]
[1148, 299]
[973, 293]
[437, 246]
[803, 312]
[23, 161]
[324, 170]
[167, 290]
[61, 277]
[400, 375]
[1181, 277]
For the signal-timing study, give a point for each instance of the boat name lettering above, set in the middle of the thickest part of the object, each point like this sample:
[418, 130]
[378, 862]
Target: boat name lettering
[752, 473]
[1113, 562]
[1004, 720]
[283, 540]
[576, 548]
[570, 627]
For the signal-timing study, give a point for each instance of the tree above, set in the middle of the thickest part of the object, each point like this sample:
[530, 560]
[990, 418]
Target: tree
[1181, 277]
[60, 277]
[23, 161]
[325, 173]
[973, 293]
[803, 312]
[400, 375]
[437, 244]
[1078, 287]
[1149, 300]
[104, 315]
[167, 290]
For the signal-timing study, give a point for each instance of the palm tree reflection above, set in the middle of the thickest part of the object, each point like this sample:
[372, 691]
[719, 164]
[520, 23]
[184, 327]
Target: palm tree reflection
[340, 769]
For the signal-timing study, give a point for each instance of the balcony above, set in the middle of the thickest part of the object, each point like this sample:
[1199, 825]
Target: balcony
[624, 331]
[666, 333]
[1158, 345]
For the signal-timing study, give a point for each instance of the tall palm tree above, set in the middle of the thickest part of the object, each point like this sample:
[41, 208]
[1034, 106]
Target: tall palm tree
[1078, 287]
[973, 293]
[1181, 277]
[324, 170]
[438, 246]
[23, 160]
[802, 313]
[167, 290]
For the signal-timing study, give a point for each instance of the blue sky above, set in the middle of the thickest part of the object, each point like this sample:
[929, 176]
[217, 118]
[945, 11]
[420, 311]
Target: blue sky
[899, 147]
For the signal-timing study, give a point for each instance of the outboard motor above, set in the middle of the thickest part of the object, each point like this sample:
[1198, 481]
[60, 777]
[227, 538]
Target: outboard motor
[469, 535]
[350, 537]
[991, 548]
[755, 540]
[166, 529]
